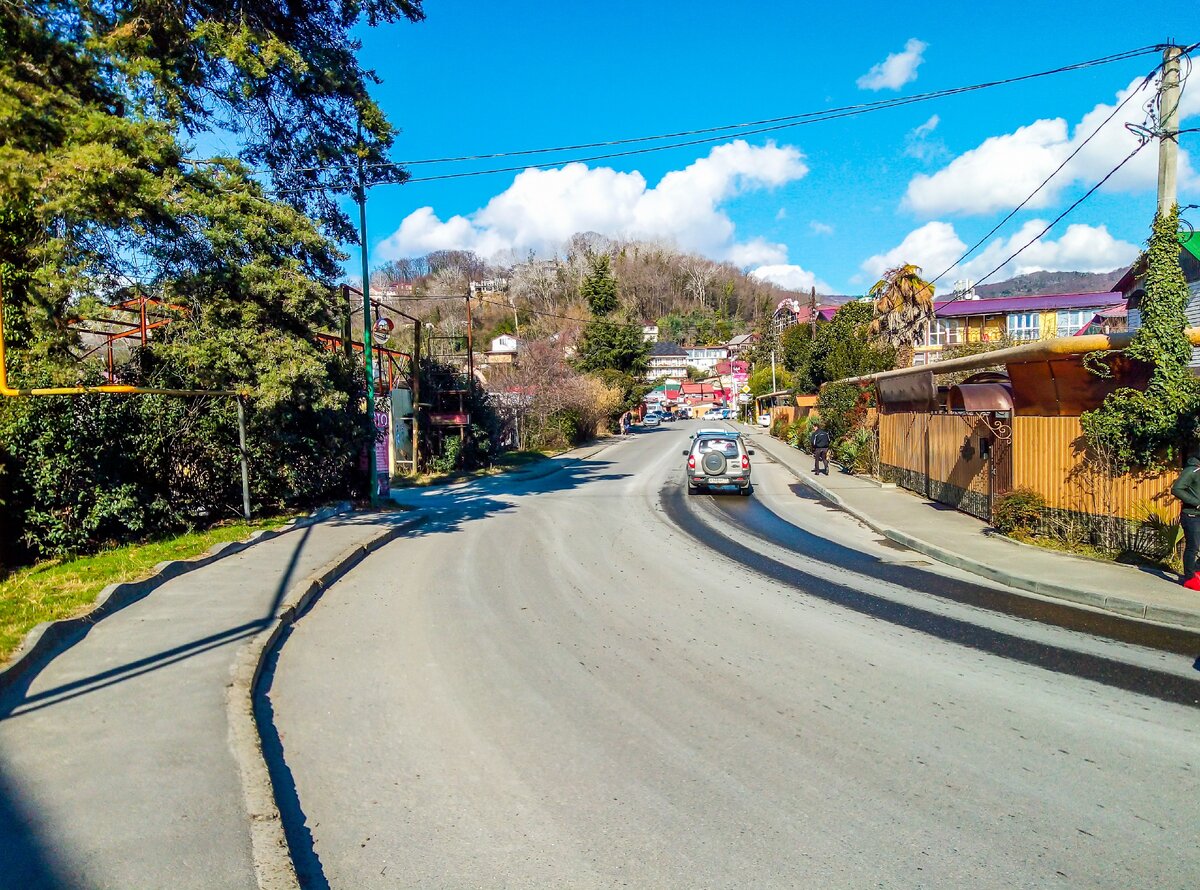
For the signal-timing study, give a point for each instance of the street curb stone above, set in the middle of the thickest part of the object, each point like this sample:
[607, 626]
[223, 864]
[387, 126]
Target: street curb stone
[51, 637]
[1114, 604]
[273, 864]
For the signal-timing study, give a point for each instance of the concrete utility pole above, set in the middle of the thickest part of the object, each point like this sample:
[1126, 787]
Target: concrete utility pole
[774, 385]
[1168, 132]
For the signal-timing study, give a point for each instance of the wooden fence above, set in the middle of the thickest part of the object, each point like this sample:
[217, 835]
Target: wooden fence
[941, 456]
[1049, 456]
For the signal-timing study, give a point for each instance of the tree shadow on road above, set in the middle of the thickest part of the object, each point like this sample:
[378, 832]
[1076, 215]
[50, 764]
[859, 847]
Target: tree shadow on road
[27, 860]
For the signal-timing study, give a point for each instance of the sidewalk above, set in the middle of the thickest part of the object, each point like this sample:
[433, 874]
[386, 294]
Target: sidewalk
[122, 760]
[965, 542]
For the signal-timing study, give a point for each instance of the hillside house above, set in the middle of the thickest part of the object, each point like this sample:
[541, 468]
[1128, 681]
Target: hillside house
[705, 358]
[972, 319]
[667, 360]
[793, 312]
[504, 350]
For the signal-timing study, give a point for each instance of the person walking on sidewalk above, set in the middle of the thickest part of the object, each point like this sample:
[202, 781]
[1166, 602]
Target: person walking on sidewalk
[820, 449]
[1187, 489]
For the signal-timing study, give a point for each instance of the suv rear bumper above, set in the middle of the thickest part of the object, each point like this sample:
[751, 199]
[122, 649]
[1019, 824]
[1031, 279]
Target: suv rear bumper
[704, 481]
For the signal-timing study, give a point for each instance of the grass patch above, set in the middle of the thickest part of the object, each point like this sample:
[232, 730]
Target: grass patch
[509, 460]
[1090, 551]
[58, 589]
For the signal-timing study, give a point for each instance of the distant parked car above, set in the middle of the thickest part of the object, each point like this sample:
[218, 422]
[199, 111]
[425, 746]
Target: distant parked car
[651, 419]
[764, 420]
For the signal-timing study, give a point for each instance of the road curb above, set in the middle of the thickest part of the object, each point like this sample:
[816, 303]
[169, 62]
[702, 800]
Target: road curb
[1126, 608]
[50, 637]
[273, 865]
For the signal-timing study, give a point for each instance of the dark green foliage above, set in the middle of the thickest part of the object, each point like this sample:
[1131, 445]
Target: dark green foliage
[842, 348]
[1018, 511]
[1150, 429]
[843, 407]
[100, 204]
[616, 346]
[699, 327]
[599, 288]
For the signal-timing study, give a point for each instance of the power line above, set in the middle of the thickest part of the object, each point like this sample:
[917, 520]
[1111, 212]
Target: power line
[725, 131]
[970, 250]
[1059, 218]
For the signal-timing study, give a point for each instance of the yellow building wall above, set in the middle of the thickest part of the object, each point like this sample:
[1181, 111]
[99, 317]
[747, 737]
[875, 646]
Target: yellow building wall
[992, 328]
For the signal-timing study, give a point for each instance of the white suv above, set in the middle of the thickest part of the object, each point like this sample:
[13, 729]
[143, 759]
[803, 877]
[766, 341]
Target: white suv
[718, 460]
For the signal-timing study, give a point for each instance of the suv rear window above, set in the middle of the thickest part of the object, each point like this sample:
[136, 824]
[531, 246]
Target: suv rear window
[728, 447]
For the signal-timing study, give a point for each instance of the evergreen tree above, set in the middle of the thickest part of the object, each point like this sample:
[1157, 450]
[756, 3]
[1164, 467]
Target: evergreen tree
[599, 288]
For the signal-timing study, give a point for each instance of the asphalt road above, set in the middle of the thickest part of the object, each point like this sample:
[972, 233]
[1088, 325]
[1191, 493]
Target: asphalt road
[593, 680]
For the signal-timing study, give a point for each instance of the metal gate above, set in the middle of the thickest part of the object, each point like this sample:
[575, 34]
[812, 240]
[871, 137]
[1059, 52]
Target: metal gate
[1000, 461]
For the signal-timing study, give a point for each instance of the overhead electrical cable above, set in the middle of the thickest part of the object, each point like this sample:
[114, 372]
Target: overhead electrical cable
[1056, 219]
[1117, 110]
[725, 131]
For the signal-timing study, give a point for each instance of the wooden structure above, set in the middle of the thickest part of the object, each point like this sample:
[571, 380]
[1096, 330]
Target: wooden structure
[967, 444]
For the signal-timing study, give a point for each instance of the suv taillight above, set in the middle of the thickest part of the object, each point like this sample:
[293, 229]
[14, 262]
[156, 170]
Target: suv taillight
[745, 462]
[691, 461]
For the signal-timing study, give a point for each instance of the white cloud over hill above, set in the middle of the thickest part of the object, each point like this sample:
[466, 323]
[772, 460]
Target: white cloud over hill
[935, 245]
[541, 209]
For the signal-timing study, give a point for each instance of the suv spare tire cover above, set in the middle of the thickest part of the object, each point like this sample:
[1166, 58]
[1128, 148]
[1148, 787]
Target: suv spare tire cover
[713, 463]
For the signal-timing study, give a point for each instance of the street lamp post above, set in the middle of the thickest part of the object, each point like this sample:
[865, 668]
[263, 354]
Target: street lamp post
[368, 363]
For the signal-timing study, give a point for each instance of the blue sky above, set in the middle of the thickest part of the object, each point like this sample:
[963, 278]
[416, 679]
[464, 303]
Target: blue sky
[832, 202]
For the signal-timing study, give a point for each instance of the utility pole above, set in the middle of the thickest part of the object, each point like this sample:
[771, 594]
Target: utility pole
[368, 363]
[470, 347]
[774, 385]
[1168, 132]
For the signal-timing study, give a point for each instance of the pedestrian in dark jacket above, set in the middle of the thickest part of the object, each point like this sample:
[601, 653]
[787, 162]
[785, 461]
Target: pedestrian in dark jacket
[820, 449]
[1187, 489]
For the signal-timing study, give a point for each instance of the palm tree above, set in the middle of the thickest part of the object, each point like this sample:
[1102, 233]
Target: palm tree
[903, 308]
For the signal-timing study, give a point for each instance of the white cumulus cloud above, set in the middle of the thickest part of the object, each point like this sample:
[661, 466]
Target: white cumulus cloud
[935, 246]
[820, 228]
[543, 208]
[790, 277]
[896, 70]
[1003, 170]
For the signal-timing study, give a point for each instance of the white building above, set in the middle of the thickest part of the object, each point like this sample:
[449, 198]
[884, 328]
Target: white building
[667, 360]
[705, 358]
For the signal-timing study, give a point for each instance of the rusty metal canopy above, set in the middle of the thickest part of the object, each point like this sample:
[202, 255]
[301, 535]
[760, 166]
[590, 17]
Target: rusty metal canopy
[980, 397]
[912, 392]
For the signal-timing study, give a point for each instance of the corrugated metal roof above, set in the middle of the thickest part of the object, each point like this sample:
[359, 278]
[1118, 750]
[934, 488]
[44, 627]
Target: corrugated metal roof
[1035, 303]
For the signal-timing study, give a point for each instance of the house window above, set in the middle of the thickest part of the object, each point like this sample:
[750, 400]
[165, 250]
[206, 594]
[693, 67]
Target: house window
[947, 332]
[1071, 321]
[1025, 325]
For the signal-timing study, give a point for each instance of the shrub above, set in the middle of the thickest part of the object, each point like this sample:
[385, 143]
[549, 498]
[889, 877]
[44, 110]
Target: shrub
[779, 428]
[843, 406]
[1018, 511]
[806, 431]
[858, 451]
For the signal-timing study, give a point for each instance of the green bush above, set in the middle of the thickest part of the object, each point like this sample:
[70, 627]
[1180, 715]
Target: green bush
[1018, 511]
[779, 428]
[844, 406]
[857, 451]
[450, 458]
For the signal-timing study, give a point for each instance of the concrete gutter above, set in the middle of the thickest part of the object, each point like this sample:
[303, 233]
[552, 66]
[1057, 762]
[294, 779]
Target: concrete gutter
[51, 637]
[273, 864]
